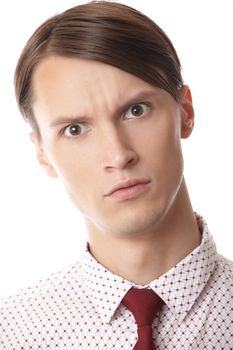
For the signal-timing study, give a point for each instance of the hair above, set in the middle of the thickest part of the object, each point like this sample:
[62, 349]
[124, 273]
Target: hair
[108, 32]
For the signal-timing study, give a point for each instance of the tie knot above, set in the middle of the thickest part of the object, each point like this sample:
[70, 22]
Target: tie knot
[144, 305]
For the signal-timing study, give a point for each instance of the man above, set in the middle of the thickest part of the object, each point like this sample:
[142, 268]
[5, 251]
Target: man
[101, 86]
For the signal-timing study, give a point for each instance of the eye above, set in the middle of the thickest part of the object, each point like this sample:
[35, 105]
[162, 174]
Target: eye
[137, 110]
[75, 130]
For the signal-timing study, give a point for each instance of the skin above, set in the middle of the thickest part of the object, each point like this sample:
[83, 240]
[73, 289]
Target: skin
[143, 235]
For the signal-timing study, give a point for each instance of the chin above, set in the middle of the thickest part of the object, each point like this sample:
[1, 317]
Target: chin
[134, 222]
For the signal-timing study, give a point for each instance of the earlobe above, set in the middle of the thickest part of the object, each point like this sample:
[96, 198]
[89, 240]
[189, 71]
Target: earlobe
[41, 156]
[187, 121]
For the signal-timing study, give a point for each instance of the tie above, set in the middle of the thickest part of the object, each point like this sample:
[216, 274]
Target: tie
[144, 305]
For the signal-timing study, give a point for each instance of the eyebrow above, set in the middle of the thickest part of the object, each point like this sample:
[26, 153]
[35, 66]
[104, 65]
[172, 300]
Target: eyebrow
[137, 98]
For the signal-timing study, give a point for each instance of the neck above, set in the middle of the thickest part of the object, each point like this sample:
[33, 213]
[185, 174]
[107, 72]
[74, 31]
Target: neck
[144, 258]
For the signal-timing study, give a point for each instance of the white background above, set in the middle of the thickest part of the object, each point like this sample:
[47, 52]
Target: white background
[40, 230]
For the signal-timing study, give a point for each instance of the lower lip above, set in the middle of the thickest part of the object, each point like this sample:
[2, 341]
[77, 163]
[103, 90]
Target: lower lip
[129, 192]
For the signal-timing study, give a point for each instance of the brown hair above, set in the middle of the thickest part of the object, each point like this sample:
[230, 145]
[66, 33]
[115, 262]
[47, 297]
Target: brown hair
[103, 31]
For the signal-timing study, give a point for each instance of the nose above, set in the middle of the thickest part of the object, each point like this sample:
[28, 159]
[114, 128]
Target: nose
[117, 150]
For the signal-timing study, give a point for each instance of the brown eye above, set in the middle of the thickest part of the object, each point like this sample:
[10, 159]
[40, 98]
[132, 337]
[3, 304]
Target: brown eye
[136, 110]
[75, 130]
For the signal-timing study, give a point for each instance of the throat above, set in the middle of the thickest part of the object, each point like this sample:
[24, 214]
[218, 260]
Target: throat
[142, 261]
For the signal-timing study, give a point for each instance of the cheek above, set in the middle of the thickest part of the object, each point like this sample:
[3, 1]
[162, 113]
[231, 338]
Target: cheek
[72, 166]
[77, 179]
[164, 141]
[164, 155]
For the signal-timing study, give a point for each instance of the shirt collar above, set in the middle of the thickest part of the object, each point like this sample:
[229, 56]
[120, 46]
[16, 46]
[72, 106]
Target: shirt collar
[105, 289]
[182, 285]
[179, 287]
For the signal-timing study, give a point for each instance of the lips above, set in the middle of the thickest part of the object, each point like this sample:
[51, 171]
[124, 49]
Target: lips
[130, 183]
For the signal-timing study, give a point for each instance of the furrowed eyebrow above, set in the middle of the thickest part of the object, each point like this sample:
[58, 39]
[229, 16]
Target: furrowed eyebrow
[137, 98]
[140, 97]
[67, 120]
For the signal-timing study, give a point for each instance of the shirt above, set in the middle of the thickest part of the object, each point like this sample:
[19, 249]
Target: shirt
[80, 307]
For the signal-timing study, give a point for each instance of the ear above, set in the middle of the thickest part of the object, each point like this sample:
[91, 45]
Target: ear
[187, 121]
[41, 156]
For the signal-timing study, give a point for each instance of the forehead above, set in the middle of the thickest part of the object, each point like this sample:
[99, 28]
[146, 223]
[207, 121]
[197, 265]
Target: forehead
[56, 72]
[64, 85]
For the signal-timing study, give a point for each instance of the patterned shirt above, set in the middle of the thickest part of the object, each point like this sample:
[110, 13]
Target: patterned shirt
[80, 307]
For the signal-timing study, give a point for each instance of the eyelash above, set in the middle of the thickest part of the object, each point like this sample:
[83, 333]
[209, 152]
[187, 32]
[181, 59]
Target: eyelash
[145, 104]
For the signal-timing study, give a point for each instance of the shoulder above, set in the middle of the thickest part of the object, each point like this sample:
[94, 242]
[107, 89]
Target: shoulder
[32, 312]
[56, 286]
[223, 274]
[225, 265]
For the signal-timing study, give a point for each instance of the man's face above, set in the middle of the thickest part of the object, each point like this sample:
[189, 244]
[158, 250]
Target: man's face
[113, 140]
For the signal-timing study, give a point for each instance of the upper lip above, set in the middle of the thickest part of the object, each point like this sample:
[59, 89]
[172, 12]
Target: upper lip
[127, 183]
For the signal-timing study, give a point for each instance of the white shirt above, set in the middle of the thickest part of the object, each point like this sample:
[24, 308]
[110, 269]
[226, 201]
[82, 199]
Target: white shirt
[80, 307]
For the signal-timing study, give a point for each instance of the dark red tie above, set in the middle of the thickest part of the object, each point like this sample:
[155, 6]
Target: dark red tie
[144, 305]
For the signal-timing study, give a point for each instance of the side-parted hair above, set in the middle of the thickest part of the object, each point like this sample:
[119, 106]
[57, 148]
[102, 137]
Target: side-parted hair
[103, 31]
